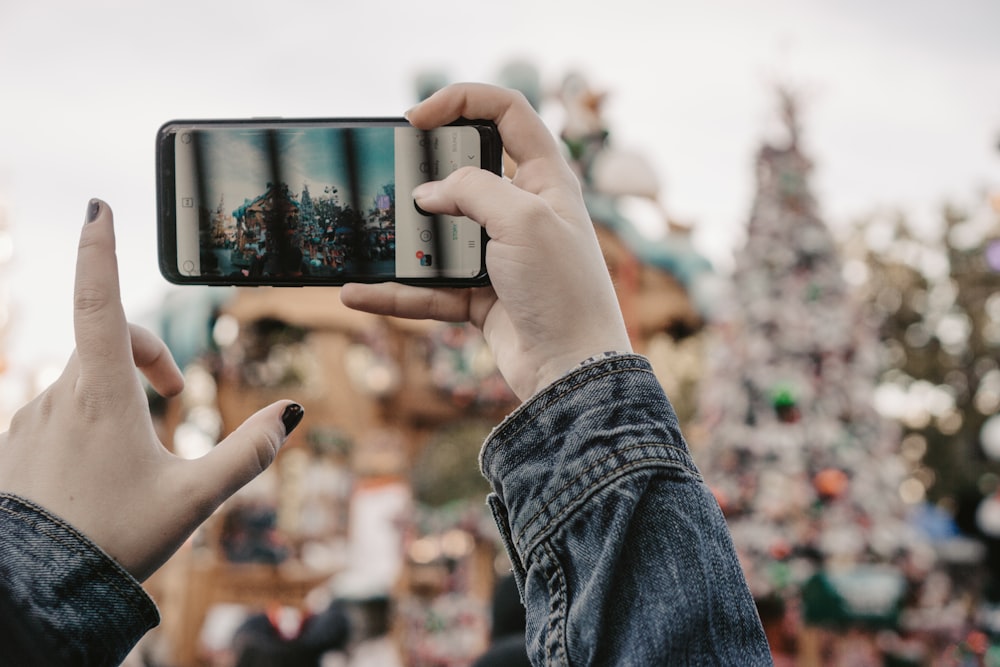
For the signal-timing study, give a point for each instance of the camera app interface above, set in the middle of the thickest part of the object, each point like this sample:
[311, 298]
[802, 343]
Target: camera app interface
[309, 203]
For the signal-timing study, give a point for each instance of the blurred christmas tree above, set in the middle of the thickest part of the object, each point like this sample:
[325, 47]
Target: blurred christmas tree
[804, 468]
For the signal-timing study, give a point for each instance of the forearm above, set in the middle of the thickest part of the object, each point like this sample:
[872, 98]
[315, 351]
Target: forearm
[65, 602]
[621, 552]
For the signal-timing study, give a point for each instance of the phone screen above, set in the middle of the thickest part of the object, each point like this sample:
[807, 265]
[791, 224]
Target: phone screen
[315, 202]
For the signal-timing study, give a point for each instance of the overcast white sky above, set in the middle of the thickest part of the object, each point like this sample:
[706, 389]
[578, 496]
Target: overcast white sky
[904, 108]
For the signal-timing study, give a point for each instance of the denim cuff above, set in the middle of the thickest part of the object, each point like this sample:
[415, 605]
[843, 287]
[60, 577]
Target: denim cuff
[83, 606]
[604, 420]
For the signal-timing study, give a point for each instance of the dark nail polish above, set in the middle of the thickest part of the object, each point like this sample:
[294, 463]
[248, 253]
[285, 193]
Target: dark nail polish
[292, 416]
[93, 210]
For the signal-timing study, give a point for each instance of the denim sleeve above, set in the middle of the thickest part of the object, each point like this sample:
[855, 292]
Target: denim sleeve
[621, 553]
[63, 601]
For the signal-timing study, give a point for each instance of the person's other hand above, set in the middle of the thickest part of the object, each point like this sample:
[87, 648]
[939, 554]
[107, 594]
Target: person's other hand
[86, 450]
[551, 303]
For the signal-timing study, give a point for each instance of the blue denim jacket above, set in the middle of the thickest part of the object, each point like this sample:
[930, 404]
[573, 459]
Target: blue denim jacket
[619, 550]
[63, 601]
[621, 553]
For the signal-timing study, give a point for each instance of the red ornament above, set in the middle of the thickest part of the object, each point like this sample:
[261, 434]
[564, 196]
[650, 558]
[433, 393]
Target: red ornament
[780, 550]
[830, 483]
[720, 497]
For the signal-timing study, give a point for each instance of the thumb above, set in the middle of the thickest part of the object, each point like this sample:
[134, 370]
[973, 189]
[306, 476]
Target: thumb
[250, 449]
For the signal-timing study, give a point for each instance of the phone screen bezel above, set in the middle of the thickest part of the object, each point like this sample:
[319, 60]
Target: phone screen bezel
[491, 159]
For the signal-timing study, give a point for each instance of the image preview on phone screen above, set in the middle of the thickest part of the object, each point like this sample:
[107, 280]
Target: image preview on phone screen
[315, 203]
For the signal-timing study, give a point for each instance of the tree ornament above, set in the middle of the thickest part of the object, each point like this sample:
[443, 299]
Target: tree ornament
[721, 497]
[785, 404]
[988, 516]
[992, 255]
[989, 437]
[780, 549]
[830, 483]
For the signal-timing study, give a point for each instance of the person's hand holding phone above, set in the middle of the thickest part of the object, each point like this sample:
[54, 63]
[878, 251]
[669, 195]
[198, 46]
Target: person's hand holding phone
[551, 304]
[85, 449]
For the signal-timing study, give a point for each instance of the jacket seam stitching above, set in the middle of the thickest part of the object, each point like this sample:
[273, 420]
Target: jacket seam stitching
[570, 505]
[628, 466]
[557, 611]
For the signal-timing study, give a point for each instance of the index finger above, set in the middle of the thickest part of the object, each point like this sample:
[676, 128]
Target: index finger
[99, 324]
[525, 136]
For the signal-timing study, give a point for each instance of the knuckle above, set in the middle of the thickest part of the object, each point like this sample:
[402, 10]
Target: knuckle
[266, 451]
[445, 307]
[535, 208]
[520, 97]
[38, 411]
[464, 177]
[90, 299]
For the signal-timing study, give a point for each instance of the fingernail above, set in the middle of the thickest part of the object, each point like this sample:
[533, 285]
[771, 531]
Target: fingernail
[291, 417]
[406, 114]
[425, 190]
[93, 210]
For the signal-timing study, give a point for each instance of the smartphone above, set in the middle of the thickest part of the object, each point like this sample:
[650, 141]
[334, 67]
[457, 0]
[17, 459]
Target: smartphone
[295, 202]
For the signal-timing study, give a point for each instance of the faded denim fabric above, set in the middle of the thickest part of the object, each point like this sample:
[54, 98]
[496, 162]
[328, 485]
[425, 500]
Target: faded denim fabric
[63, 601]
[619, 550]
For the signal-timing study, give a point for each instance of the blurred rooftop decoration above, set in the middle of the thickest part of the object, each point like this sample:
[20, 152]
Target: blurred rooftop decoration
[622, 189]
[613, 178]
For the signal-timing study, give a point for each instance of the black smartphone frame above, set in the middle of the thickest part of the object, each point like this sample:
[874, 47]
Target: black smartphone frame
[491, 159]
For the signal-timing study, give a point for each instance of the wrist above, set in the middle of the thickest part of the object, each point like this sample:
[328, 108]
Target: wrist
[558, 369]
